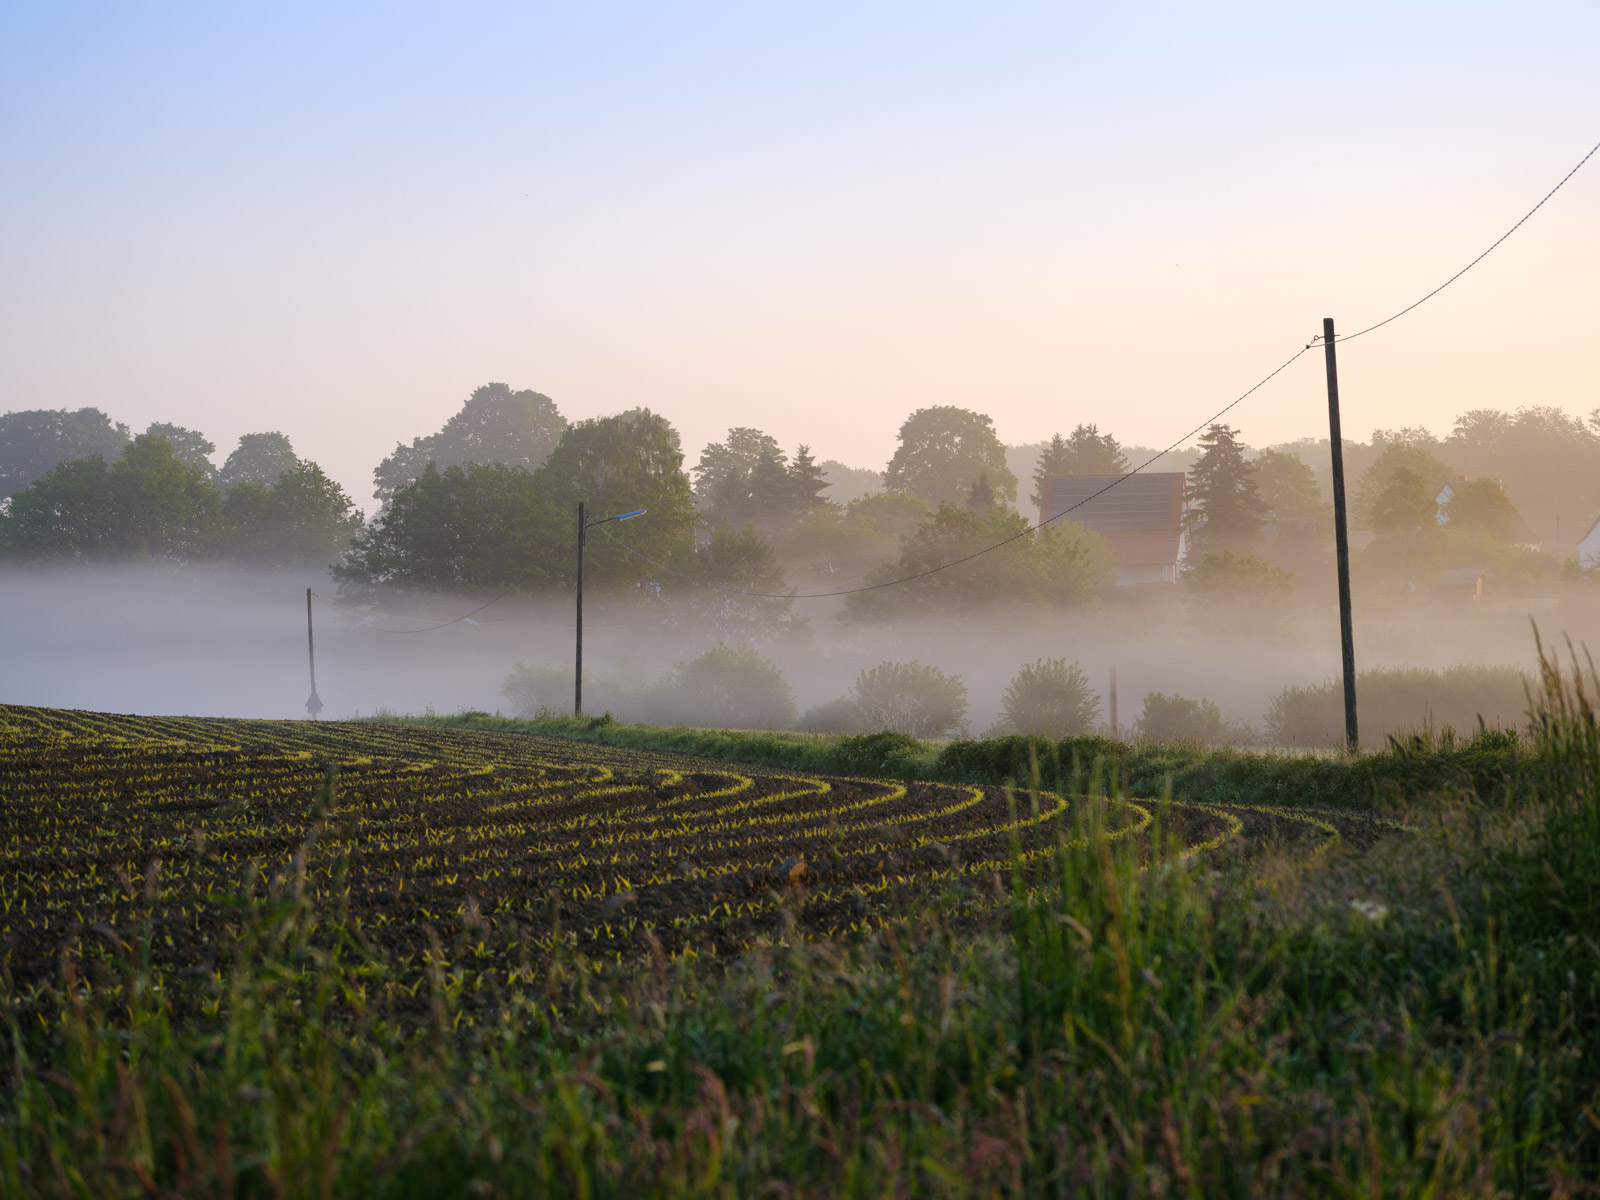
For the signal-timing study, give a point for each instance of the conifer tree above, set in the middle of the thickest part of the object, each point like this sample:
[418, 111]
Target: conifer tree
[1052, 462]
[982, 497]
[807, 482]
[1086, 451]
[1225, 509]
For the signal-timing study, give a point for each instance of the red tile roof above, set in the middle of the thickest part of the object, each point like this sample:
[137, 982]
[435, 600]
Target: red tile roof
[1141, 515]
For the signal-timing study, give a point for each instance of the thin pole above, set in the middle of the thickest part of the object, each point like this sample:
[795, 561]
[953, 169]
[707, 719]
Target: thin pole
[1113, 700]
[1341, 536]
[577, 674]
[313, 704]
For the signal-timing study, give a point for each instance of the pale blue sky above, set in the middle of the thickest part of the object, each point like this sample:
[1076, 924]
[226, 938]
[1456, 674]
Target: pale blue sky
[338, 220]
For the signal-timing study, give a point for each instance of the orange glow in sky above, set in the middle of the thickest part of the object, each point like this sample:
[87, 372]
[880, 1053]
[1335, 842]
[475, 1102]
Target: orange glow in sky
[811, 219]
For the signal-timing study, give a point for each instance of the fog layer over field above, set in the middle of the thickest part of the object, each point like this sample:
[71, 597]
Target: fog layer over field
[154, 641]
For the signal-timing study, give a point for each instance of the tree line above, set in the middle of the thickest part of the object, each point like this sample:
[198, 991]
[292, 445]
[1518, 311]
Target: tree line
[489, 500]
[156, 496]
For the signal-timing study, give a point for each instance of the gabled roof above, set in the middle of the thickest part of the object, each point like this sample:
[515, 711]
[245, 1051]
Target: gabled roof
[1112, 502]
[1140, 515]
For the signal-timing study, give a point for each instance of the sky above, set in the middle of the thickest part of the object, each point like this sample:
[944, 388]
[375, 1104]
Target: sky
[338, 220]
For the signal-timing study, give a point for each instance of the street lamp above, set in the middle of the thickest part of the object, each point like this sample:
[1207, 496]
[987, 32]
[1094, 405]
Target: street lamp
[583, 529]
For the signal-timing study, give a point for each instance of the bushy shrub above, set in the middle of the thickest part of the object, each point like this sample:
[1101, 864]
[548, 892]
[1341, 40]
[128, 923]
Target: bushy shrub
[729, 688]
[1176, 719]
[541, 690]
[911, 698]
[833, 716]
[1392, 700]
[1058, 763]
[536, 689]
[1049, 697]
[1226, 592]
[884, 752]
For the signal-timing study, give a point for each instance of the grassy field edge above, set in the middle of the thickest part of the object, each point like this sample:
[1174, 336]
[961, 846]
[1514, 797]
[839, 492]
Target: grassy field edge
[1486, 768]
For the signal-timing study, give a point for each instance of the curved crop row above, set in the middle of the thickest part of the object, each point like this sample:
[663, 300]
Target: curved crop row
[171, 825]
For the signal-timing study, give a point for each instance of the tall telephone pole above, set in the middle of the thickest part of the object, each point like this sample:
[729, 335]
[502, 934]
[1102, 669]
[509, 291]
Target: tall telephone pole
[584, 521]
[1341, 536]
[313, 702]
[577, 674]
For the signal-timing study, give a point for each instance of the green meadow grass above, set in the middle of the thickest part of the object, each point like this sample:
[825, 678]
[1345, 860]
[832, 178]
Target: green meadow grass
[1417, 1020]
[1485, 766]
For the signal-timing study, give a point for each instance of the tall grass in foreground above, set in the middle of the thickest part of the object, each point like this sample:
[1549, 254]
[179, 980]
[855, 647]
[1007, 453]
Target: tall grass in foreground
[1419, 1021]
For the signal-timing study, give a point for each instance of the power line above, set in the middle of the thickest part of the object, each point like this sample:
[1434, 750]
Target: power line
[1350, 337]
[334, 604]
[1141, 466]
[872, 587]
[1055, 517]
[529, 574]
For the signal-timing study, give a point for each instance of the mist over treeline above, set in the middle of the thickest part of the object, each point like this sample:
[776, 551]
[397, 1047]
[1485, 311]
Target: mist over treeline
[185, 581]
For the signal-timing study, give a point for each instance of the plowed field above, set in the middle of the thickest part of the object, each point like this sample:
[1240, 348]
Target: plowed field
[173, 826]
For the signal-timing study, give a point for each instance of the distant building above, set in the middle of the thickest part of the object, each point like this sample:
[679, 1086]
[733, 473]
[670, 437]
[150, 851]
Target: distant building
[1522, 534]
[1461, 583]
[1446, 494]
[1140, 515]
[1589, 547]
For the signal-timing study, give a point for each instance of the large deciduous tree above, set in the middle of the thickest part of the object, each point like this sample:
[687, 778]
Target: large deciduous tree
[1548, 460]
[478, 525]
[829, 549]
[1059, 566]
[618, 464]
[148, 504]
[846, 483]
[473, 526]
[32, 441]
[1411, 454]
[747, 479]
[61, 516]
[724, 478]
[162, 507]
[1405, 505]
[495, 425]
[739, 561]
[1288, 487]
[302, 519]
[190, 445]
[258, 458]
[1480, 508]
[152, 504]
[942, 452]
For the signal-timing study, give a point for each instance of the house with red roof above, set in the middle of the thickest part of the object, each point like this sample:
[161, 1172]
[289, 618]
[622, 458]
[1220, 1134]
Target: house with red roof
[1140, 515]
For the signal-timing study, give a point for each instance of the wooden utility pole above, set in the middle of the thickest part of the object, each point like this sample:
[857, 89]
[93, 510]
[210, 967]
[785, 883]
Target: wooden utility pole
[1113, 701]
[577, 673]
[313, 702]
[1341, 541]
